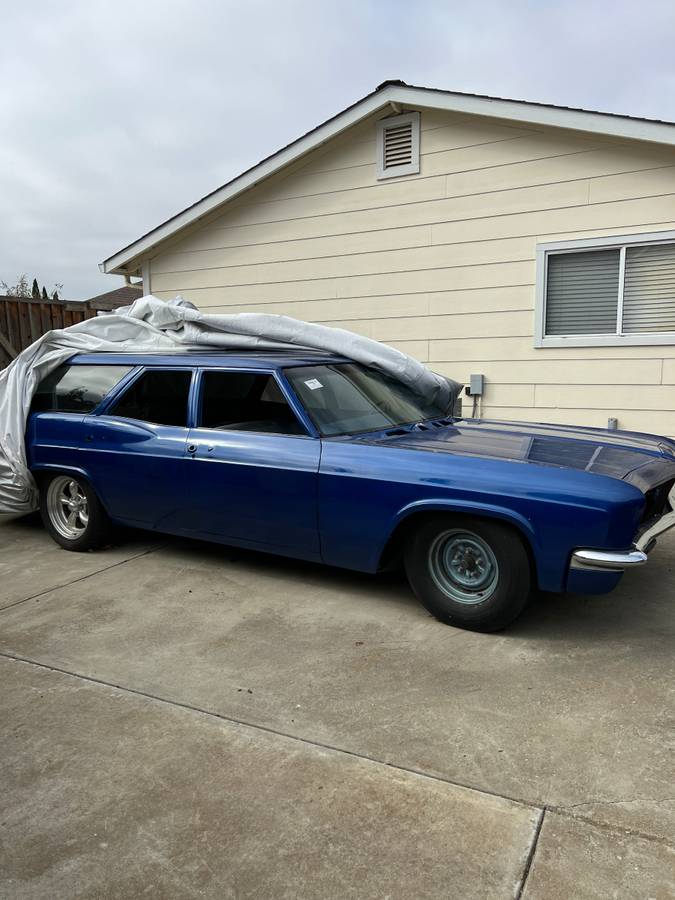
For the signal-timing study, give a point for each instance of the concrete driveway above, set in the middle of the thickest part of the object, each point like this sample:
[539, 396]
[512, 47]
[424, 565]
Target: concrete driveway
[182, 720]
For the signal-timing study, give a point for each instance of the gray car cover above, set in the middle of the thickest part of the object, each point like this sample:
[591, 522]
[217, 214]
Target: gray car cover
[150, 325]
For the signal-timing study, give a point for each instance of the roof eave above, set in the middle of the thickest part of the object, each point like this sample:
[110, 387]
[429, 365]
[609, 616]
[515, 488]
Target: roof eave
[369, 105]
[607, 124]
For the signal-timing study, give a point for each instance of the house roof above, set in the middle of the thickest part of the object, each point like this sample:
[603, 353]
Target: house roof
[396, 93]
[122, 296]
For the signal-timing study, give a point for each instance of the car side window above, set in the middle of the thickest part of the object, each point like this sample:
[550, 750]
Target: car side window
[76, 388]
[246, 401]
[159, 396]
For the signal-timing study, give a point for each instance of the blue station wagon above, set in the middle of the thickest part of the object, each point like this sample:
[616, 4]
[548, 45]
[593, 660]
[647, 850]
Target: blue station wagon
[318, 457]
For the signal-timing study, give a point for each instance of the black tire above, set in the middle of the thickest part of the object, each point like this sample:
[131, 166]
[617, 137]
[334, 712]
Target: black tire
[95, 532]
[431, 555]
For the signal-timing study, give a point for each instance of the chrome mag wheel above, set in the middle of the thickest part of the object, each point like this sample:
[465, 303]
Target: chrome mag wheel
[463, 566]
[68, 507]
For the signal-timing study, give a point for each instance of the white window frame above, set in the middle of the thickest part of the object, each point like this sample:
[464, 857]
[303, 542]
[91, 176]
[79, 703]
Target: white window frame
[413, 167]
[619, 242]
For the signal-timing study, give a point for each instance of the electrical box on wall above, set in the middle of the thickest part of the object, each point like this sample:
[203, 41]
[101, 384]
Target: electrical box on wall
[476, 385]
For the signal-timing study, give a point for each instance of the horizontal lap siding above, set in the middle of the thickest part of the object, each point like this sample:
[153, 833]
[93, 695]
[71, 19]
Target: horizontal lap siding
[409, 259]
[648, 421]
[442, 265]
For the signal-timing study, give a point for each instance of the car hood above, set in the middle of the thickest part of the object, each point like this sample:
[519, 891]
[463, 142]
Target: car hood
[642, 459]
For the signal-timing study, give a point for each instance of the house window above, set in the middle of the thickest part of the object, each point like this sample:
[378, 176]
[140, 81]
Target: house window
[606, 291]
[398, 146]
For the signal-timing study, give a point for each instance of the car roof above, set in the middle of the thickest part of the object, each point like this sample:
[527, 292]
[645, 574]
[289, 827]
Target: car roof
[251, 359]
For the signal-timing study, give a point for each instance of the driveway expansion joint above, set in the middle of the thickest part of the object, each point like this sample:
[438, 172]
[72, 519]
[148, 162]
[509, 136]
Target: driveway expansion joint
[531, 854]
[58, 587]
[269, 730]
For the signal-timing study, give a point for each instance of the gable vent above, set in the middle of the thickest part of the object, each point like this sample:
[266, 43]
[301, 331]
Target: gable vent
[398, 146]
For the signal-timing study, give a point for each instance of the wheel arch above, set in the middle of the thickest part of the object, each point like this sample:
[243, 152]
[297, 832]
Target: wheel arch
[414, 513]
[42, 471]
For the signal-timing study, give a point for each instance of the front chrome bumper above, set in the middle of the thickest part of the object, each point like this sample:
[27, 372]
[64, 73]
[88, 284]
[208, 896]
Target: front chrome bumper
[619, 560]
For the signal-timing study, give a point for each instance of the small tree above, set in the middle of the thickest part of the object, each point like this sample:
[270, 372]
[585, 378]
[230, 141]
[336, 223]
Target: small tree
[23, 289]
[20, 289]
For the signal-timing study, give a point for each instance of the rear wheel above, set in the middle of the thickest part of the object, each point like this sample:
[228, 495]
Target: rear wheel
[471, 573]
[72, 513]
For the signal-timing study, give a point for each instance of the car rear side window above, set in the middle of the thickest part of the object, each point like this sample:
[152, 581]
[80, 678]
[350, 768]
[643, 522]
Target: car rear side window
[246, 401]
[78, 389]
[159, 396]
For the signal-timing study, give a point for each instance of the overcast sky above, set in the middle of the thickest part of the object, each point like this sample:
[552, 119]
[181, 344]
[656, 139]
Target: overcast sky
[115, 115]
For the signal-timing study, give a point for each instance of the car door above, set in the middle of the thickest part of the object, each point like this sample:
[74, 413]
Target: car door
[254, 466]
[135, 449]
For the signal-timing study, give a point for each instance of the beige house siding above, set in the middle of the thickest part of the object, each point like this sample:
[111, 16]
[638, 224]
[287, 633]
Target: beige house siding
[442, 264]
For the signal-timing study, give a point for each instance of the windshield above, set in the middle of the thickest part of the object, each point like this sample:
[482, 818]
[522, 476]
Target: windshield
[347, 398]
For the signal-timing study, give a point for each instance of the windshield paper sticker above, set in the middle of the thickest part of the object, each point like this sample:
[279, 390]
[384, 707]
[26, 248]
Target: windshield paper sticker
[313, 384]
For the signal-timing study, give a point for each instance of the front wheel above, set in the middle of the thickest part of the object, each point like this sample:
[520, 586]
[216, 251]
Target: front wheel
[471, 573]
[72, 513]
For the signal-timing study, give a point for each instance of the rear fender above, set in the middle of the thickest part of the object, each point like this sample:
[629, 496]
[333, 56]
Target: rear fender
[41, 469]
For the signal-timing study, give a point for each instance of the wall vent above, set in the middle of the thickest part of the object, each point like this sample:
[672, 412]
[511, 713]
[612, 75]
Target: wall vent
[398, 146]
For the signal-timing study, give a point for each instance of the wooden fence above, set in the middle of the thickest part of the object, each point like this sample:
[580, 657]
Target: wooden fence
[23, 320]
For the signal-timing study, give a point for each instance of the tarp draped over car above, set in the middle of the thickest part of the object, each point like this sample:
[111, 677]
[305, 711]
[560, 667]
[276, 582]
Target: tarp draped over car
[150, 325]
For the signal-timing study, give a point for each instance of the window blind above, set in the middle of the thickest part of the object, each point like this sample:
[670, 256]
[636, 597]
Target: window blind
[582, 292]
[649, 289]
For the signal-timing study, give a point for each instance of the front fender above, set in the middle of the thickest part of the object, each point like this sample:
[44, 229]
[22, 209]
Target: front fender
[490, 510]
[368, 491]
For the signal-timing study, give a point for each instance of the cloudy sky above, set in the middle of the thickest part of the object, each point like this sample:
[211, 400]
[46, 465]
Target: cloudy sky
[118, 114]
